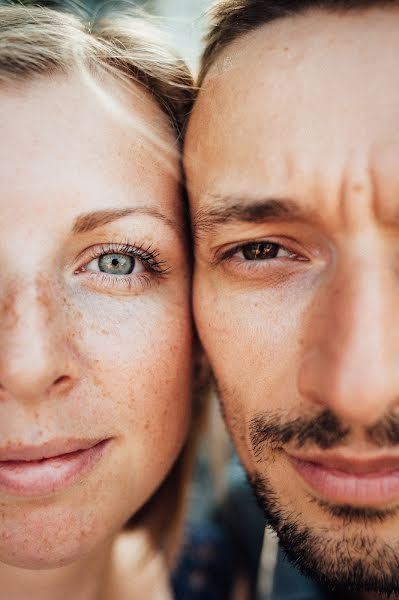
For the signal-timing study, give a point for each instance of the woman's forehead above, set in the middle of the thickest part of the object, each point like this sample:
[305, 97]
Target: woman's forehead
[71, 138]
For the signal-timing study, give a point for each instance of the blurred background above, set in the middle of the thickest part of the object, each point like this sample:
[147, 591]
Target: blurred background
[186, 21]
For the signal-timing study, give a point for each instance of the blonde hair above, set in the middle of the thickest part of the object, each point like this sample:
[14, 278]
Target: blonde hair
[38, 41]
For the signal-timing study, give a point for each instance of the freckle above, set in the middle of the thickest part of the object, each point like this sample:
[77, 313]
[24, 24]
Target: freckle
[44, 294]
[97, 381]
[8, 308]
[357, 188]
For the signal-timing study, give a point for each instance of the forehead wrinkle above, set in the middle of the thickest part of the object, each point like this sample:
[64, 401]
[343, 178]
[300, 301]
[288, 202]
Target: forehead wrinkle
[357, 195]
[347, 199]
[385, 181]
[344, 197]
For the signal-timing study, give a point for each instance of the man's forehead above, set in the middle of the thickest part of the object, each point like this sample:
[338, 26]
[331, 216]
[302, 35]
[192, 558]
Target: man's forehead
[294, 65]
[300, 99]
[311, 38]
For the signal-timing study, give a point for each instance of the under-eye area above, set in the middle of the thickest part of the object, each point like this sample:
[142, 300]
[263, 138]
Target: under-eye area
[125, 265]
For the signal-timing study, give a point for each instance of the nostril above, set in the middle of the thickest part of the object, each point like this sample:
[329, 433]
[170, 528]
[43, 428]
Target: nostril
[61, 381]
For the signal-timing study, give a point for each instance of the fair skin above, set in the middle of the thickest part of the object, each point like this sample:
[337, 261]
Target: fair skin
[89, 353]
[292, 167]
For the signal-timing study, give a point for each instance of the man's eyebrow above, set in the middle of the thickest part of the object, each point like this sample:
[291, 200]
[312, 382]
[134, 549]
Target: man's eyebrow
[92, 220]
[230, 210]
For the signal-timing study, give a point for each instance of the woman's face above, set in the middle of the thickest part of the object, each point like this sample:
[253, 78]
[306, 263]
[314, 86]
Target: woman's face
[95, 323]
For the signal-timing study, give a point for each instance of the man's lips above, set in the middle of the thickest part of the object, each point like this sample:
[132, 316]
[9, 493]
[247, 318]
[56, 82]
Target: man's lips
[358, 481]
[42, 470]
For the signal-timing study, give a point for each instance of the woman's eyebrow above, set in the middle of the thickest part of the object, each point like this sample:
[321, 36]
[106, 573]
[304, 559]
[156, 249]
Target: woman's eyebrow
[98, 218]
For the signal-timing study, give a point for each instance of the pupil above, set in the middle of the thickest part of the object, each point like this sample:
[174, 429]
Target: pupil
[260, 251]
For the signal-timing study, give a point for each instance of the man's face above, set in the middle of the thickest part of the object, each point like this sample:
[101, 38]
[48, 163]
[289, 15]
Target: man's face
[292, 160]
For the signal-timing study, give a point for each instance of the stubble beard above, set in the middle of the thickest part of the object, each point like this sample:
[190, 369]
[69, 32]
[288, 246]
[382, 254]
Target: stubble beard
[352, 558]
[347, 555]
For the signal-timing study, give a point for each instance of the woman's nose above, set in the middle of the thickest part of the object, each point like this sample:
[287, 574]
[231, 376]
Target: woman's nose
[35, 357]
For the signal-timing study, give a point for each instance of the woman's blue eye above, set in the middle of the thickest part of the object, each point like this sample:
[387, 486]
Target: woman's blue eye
[116, 264]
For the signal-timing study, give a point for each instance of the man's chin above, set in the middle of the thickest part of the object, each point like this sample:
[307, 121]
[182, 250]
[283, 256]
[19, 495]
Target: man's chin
[351, 557]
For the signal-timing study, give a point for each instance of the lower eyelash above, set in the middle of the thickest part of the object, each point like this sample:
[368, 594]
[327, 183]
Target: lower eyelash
[121, 281]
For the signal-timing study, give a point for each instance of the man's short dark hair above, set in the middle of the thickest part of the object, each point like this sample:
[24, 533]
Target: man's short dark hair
[231, 19]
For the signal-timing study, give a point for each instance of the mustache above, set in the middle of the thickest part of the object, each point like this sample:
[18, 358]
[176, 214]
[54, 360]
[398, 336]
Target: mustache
[325, 430]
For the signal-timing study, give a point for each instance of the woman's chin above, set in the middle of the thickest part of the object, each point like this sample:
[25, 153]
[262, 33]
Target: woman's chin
[51, 537]
[41, 560]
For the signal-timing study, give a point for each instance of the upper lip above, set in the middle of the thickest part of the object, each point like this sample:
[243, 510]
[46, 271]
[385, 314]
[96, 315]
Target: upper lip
[350, 463]
[50, 449]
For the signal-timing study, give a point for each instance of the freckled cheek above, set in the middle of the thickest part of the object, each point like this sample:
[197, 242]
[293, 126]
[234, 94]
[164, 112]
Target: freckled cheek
[138, 362]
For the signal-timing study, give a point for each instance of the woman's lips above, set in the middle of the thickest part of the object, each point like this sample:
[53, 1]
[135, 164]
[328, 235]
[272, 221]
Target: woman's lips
[39, 471]
[356, 482]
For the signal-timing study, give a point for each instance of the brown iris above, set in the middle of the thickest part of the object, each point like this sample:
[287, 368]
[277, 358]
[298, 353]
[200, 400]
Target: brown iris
[260, 250]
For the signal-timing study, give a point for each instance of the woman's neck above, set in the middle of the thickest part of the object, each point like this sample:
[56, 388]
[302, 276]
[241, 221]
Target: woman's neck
[137, 571]
[119, 569]
[81, 580]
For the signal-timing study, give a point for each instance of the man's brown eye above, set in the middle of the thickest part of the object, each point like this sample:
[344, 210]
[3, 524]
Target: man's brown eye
[260, 251]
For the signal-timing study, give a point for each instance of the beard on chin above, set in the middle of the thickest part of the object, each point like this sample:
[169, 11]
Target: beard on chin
[347, 555]
[358, 561]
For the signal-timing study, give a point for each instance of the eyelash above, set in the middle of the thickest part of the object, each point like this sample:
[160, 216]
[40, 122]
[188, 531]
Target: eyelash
[148, 255]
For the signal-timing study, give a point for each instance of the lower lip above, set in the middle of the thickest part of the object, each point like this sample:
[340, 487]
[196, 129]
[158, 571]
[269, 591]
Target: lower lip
[44, 477]
[369, 489]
